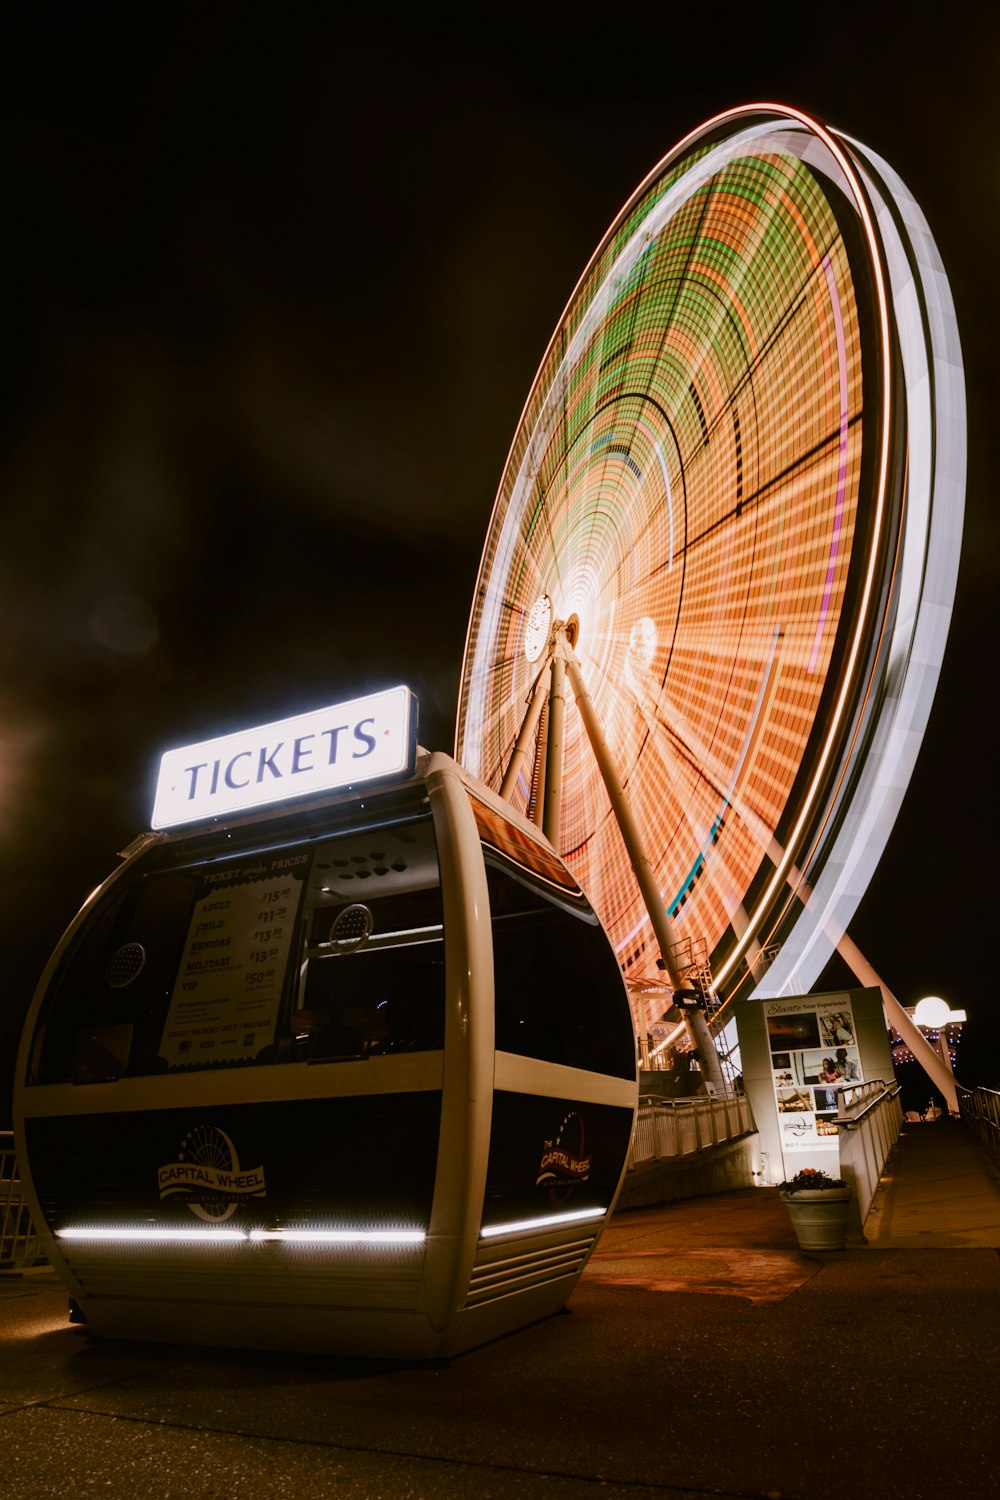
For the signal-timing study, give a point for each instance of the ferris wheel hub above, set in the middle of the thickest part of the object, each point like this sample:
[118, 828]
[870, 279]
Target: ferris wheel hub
[536, 629]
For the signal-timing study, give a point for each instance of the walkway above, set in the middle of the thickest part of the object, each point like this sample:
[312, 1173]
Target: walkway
[939, 1190]
[702, 1355]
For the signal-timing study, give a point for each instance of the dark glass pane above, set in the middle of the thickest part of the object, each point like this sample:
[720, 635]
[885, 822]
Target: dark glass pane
[559, 991]
[305, 951]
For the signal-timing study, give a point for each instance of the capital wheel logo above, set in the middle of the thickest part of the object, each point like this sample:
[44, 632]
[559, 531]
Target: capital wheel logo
[208, 1176]
[565, 1162]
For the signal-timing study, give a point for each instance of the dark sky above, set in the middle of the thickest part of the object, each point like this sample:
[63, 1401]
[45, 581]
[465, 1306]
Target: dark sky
[275, 291]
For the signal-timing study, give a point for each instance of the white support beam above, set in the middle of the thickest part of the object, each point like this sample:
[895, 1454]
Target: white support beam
[552, 813]
[525, 735]
[659, 917]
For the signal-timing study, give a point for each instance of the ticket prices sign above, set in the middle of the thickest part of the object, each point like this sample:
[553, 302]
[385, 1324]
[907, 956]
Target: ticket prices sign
[225, 1002]
[813, 1048]
[365, 739]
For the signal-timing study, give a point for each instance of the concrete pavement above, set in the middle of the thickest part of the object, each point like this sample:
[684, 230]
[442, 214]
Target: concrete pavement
[702, 1354]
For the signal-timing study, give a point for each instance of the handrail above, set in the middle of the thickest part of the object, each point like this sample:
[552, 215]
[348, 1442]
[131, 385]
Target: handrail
[19, 1246]
[668, 1128]
[873, 1090]
[869, 1121]
[979, 1112]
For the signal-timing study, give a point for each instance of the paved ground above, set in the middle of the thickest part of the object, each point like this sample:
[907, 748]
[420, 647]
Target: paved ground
[702, 1355]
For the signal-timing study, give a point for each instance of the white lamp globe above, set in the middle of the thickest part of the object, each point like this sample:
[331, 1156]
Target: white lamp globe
[932, 1011]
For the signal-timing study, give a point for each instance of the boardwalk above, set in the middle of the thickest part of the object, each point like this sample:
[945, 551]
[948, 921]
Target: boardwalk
[703, 1355]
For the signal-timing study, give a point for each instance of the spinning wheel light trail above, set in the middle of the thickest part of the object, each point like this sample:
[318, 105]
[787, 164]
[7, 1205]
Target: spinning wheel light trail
[739, 478]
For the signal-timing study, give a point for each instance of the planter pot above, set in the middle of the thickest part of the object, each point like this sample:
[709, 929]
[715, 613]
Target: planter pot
[819, 1217]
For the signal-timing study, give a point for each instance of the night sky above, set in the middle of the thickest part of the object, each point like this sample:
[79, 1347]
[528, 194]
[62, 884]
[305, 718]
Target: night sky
[276, 288]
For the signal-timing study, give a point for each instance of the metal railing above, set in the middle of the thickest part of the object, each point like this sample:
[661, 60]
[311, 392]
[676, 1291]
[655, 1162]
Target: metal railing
[19, 1246]
[979, 1112]
[676, 1127]
[869, 1119]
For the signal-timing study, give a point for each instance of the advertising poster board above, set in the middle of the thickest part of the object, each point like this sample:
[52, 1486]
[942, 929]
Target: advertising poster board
[813, 1047]
[798, 1052]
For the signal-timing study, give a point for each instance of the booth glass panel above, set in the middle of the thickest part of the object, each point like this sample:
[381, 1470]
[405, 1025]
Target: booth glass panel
[559, 991]
[298, 952]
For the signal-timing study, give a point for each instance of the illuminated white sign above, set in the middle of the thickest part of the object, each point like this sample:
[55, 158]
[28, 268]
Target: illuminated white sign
[364, 740]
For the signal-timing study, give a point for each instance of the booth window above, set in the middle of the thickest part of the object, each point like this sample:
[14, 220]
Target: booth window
[107, 1008]
[560, 996]
[372, 978]
[304, 952]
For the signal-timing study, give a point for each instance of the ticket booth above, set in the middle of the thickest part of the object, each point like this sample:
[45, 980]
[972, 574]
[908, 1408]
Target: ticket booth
[339, 1059]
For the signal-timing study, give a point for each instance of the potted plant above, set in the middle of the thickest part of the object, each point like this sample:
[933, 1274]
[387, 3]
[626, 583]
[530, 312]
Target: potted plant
[817, 1205]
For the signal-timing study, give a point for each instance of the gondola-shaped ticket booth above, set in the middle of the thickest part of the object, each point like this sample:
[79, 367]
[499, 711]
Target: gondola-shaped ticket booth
[339, 1059]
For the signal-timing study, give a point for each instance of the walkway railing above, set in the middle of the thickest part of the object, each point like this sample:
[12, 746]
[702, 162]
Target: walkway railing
[979, 1111]
[676, 1127]
[18, 1241]
[869, 1119]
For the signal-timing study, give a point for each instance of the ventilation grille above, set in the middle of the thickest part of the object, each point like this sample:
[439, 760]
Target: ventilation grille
[503, 1277]
[172, 1276]
[352, 929]
[125, 965]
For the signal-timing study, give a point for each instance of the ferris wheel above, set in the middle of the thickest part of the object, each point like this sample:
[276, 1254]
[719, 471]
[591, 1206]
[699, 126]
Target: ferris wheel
[716, 586]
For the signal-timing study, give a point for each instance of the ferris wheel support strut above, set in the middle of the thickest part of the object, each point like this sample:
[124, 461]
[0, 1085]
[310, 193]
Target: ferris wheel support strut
[863, 970]
[552, 819]
[520, 755]
[897, 1017]
[536, 799]
[663, 927]
[895, 1014]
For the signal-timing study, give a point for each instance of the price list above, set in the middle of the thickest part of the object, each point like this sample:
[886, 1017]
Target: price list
[225, 1003]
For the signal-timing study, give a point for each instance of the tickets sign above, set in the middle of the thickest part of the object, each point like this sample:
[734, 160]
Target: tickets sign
[366, 739]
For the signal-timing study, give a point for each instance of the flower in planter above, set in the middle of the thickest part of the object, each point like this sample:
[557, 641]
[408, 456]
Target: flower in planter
[811, 1179]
